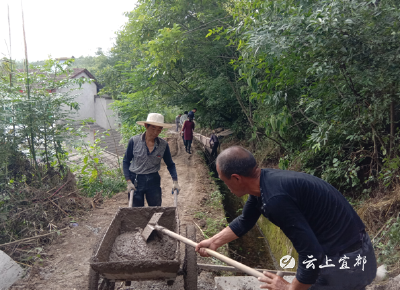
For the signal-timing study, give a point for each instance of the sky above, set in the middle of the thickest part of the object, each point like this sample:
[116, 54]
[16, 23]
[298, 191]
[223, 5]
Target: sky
[60, 28]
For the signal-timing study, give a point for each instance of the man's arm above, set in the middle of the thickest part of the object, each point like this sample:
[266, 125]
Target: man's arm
[246, 221]
[170, 164]
[128, 159]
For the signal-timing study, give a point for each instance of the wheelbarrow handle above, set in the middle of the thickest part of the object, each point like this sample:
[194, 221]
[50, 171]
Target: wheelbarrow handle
[130, 199]
[175, 193]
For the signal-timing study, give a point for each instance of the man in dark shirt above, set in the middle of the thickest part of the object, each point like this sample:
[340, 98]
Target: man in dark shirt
[334, 250]
[214, 143]
[142, 161]
[191, 113]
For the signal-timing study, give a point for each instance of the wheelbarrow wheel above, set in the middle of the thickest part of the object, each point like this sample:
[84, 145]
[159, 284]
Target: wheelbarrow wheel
[190, 262]
[94, 278]
[108, 285]
[94, 281]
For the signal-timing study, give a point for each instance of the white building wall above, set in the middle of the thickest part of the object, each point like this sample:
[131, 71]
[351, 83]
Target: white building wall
[85, 98]
[104, 115]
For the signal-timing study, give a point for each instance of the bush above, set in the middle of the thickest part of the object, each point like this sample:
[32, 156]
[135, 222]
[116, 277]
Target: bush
[93, 174]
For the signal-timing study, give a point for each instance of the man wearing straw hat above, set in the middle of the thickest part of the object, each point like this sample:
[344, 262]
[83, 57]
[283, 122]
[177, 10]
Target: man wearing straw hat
[142, 162]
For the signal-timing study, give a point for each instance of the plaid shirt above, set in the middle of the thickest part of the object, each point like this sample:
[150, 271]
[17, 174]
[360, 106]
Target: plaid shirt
[139, 160]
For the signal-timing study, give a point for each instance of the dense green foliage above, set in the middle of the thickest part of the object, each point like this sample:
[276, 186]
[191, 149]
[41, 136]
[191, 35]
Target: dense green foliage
[165, 60]
[319, 79]
[325, 78]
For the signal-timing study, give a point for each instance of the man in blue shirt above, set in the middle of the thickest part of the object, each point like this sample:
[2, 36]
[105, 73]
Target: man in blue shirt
[334, 250]
[191, 113]
[142, 161]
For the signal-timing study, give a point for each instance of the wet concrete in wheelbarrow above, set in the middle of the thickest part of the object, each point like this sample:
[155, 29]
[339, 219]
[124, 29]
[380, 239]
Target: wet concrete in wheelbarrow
[132, 246]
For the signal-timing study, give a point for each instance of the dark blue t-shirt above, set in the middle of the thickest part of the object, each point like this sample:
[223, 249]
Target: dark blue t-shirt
[191, 115]
[314, 215]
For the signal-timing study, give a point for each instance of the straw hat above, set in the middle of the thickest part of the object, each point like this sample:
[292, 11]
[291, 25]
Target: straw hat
[156, 120]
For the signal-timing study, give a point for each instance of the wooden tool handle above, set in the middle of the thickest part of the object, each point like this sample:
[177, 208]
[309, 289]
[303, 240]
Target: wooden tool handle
[175, 192]
[130, 199]
[212, 253]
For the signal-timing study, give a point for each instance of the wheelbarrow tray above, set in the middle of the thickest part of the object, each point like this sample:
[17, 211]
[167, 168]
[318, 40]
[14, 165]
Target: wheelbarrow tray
[125, 220]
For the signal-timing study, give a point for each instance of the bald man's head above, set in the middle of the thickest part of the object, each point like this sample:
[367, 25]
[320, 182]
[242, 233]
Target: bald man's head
[236, 160]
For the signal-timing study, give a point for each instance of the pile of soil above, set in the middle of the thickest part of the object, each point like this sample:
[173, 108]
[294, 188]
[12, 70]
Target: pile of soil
[131, 246]
[391, 284]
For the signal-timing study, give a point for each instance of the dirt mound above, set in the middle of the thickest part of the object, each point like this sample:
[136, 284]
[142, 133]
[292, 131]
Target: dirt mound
[391, 284]
[33, 213]
[376, 211]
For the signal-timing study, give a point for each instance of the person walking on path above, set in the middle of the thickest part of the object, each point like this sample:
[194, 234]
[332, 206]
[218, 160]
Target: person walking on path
[334, 250]
[187, 129]
[184, 117]
[214, 143]
[142, 162]
[182, 121]
[191, 113]
[177, 121]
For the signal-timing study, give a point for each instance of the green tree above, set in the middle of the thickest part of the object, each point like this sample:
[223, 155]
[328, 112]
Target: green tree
[34, 108]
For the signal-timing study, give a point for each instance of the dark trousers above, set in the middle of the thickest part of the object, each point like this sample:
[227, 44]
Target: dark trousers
[214, 149]
[184, 142]
[355, 278]
[147, 185]
[188, 144]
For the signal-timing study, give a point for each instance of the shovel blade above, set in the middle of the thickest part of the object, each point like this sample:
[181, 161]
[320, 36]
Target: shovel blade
[150, 225]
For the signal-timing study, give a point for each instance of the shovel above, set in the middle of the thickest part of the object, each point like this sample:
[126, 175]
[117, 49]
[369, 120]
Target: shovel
[152, 225]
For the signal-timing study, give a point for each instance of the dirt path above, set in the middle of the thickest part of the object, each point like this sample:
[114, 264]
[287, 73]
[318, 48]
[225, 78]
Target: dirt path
[66, 262]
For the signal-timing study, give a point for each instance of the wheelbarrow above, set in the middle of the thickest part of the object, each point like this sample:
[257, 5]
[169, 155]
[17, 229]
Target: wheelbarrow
[105, 273]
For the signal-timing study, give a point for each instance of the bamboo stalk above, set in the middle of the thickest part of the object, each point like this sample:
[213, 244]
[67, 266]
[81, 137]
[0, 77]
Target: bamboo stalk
[204, 235]
[58, 207]
[32, 136]
[31, 238]
[23, 264]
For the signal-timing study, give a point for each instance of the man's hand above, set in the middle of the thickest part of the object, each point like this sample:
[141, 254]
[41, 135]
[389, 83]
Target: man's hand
[273, 282]
[131, 186]
[176, 186]
[223, 237]
[200, 248]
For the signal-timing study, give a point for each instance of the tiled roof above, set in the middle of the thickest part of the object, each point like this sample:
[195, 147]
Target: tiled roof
[75, 72]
